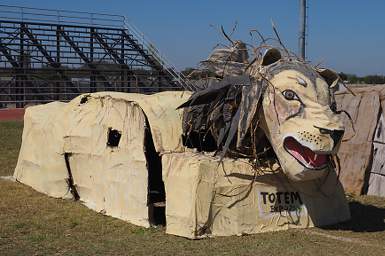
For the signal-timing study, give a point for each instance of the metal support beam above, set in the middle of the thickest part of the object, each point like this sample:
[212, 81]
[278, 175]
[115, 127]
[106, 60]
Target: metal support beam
[92, 74]
[150, 59]
[154, 63]
[48, 57]
[58, 55]
[39, 46]
[20, 77]
[8, 55]
[84, 57]
[123, 73]
[109, 50]
[119, 59]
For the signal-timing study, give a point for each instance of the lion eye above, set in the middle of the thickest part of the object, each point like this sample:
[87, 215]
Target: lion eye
[290, 95]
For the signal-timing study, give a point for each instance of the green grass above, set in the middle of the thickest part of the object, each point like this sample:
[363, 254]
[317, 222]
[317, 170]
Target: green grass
[34, 224]
[10, 140]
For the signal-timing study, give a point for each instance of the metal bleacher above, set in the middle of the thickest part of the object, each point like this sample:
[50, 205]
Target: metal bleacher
[48, 55]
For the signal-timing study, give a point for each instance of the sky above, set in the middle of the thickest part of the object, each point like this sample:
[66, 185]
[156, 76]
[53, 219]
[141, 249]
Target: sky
[345, 35]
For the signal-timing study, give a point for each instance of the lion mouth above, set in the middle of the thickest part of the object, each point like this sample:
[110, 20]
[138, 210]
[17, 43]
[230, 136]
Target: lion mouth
[305, 155]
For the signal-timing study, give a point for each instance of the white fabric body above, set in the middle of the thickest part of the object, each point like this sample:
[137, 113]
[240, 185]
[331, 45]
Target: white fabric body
[110, 180]
[205, 198]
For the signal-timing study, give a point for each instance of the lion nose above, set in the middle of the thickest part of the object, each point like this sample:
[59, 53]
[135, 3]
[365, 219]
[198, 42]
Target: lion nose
[336, 135]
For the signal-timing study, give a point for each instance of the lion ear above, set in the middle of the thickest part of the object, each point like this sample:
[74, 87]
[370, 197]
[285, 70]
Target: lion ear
[271, 56]
[331, 77]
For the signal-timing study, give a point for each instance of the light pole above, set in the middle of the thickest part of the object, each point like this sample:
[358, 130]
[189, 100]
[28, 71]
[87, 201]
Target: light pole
[302, 30]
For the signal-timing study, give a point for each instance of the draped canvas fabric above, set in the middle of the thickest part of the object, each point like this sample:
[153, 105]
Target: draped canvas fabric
[112, 179]
[208, 198]
[361, 153]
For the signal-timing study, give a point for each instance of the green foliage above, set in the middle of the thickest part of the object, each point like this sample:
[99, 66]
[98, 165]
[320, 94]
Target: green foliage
[370, 79]
[10, 140]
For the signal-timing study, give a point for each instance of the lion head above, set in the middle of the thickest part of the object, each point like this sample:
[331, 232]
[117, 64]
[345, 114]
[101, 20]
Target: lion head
[279, 102]
[299, 116]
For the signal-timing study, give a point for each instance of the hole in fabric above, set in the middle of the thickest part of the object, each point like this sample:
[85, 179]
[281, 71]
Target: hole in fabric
[84, 99]
[113, 137]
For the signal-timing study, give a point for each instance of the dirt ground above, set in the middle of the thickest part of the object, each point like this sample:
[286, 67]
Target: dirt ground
[13, 114]
[34, 224]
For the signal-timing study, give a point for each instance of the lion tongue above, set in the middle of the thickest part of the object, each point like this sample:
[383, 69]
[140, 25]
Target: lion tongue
[304, 154]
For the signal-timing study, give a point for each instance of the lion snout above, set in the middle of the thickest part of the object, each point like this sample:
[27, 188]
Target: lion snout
[335, 135]
[320, 139]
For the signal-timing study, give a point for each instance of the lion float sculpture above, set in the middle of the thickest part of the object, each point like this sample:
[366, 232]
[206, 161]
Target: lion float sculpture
[283, 102]
[252, 151]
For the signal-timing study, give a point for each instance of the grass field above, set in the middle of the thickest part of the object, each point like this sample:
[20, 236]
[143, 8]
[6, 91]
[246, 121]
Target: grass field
[34, 224]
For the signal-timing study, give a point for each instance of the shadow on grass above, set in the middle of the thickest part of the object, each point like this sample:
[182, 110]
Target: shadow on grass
[365, 218]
